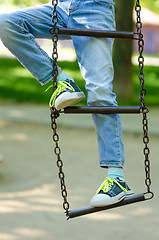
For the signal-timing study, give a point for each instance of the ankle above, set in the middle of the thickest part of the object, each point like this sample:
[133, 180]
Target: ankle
[62, 76]
[115, 172]
[59, 73]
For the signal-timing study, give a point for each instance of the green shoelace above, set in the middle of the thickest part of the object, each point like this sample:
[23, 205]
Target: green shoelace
[106, 185]
[61, 87]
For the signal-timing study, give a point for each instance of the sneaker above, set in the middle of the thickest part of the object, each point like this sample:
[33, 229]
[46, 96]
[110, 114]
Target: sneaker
[66, 94]
[111, 191]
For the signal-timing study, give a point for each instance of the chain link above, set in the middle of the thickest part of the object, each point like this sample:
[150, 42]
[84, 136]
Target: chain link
[54, 113]
[142, 94]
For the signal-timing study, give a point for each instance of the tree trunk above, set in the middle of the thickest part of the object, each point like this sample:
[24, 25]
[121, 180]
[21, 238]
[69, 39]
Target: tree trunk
[123, 82]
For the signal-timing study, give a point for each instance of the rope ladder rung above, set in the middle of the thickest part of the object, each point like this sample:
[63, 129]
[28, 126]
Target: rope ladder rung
[101, 110]
[89, 210]
[55, 32]
[96, 33]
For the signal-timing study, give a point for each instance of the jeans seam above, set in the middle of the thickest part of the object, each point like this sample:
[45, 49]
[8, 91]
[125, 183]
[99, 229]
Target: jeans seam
[73, 9]
[21, 23]
[32, 38]
[41, 50]
[106, 2]
[117, 138]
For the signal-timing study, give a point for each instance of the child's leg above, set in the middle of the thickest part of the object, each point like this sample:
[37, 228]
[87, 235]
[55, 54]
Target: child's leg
[95, 60]
[18, 31]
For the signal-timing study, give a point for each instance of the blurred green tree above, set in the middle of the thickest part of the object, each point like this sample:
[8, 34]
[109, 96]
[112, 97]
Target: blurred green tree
[152, 5]
[123, 83]
[22, 3]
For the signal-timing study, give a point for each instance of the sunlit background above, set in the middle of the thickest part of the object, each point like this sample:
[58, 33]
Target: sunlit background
[30, 200]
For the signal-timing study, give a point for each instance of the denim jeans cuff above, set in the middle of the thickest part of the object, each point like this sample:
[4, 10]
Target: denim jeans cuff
[113, 163]
[43, 82]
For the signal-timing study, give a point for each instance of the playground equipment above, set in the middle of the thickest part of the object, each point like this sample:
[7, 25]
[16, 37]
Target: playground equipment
[138, 36]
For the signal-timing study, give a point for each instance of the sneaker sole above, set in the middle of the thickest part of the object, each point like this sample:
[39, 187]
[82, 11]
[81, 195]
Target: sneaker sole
[101, 200]
[67, 99]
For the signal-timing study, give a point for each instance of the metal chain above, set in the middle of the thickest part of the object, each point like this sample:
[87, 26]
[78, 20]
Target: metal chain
[142, 94]
[54, 113]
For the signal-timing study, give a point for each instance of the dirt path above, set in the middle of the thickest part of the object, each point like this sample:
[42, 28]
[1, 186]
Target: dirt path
[30, 201]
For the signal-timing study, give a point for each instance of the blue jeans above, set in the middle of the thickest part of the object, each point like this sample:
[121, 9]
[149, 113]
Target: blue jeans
[18, 32]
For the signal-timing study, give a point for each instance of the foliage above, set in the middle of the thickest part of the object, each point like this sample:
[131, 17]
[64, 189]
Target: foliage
[17, 84]
[123, 50]
[22, 3]
[152, 5]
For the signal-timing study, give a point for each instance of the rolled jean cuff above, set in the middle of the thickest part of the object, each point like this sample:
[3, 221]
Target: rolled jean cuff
[43, 82]
[106, 164]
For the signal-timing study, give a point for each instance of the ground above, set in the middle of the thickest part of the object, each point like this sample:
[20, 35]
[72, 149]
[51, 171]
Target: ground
[30, 200]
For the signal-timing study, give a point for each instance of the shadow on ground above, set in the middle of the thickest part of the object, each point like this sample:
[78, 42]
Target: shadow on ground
[30, 201]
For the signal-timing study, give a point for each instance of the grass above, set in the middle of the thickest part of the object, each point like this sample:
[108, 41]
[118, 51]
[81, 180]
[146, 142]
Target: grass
[17, 84]
[151, 74]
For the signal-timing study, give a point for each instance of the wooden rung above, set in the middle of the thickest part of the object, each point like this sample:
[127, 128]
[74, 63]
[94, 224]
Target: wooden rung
[96, 33]
[102, 110]
[88, 210]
